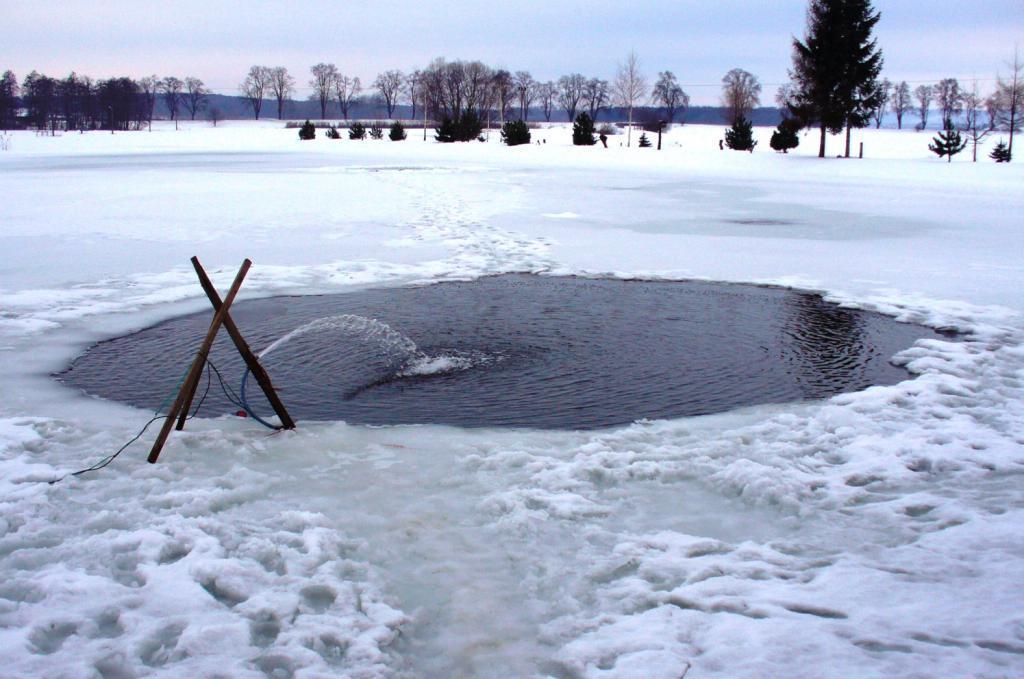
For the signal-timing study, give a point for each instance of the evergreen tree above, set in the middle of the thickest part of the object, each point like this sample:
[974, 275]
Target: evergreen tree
[446, 133]
[785, 135]
[464, 127]
[469, 126]
[332, 132]
[397, 132]
[376, 131]
[1001, 153]
[307, 131]
[740, 137]
[645, 143]
[8, 99]
[583, 131]
[515, 132]
[357, 131]
[836, 67]
[948, 143]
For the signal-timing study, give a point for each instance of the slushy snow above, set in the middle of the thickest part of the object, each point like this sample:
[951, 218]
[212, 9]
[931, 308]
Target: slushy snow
[879, 533]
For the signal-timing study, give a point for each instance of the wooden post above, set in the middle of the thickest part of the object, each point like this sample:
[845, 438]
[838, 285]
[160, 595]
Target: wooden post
[197, 364]
[262, 378]
[861, 150]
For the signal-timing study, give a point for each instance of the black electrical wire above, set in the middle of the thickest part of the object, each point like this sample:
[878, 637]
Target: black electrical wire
[110, 458]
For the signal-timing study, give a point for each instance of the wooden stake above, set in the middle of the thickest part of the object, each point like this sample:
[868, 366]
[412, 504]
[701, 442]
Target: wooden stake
[262, 378]
[197, 365]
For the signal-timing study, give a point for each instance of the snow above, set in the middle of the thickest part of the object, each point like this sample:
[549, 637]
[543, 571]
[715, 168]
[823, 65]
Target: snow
[872, 534]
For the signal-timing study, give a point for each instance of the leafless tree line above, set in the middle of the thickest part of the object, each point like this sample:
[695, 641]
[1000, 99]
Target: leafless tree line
[78, 102]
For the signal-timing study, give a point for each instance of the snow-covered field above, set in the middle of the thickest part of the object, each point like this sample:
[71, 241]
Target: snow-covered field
[875, 534]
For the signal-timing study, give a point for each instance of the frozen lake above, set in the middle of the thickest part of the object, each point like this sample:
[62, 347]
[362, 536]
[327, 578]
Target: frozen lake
[879, 529]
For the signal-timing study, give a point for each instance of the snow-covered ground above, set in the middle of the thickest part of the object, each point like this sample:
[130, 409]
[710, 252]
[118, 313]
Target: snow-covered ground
[875, 534]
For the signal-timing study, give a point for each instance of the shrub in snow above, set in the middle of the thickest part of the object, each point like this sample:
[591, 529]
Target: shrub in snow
[376, 131]
[645, 143]
[785, 135]
[948, 142]
[583, 131]
[469, 126]
[465, 127]
[357, 131]
[515, 132]
[332, 132]
[1001, 153]
[307, 131]
[397, 132]
[607, 129]
[740, 137]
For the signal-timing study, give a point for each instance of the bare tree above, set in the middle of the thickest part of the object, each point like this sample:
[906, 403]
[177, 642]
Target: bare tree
[477, 86]
[923, 94]
[254, 86]
[1009, 97]
[901, 102]
[595, 96]
[282, 85]
[413, 90]
[346, 90]
[170, 87]
[670, 95]
[884, 96]
[976, 130]
[389, 85]
[150, 87]
[196, 95]
[570, 90]
[526, 91]
[322, 82]
[501, 84]
[628, 89]
[214, 115]
[547, 93]
[741, 92]
[949, 97]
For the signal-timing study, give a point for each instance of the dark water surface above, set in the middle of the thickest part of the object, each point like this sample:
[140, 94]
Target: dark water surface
[520, 350]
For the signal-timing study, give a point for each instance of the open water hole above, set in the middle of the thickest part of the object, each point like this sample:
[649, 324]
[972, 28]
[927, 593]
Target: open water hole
[519, 351]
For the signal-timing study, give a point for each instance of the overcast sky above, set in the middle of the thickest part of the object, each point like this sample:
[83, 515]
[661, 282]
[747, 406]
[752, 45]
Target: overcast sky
[699, 40]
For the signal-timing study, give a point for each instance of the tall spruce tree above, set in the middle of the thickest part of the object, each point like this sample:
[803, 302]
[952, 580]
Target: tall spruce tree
[836, 67]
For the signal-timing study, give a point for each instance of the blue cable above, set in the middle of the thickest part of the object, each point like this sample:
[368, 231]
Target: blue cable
[245, 403]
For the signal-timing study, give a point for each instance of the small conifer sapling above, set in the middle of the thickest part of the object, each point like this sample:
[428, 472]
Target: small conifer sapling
[515, 132]
[1001, 153]
[785, 136]
[307, 131]
[583, 131]
[397, 131]
[948, 142]
[740, 137]
[357, 131]
[645, 143]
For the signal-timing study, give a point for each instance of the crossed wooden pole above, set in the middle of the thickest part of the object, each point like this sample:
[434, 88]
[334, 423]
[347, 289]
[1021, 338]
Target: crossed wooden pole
[221, 317]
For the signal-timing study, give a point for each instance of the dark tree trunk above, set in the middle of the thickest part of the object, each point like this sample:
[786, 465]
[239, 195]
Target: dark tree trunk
[821, 145]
